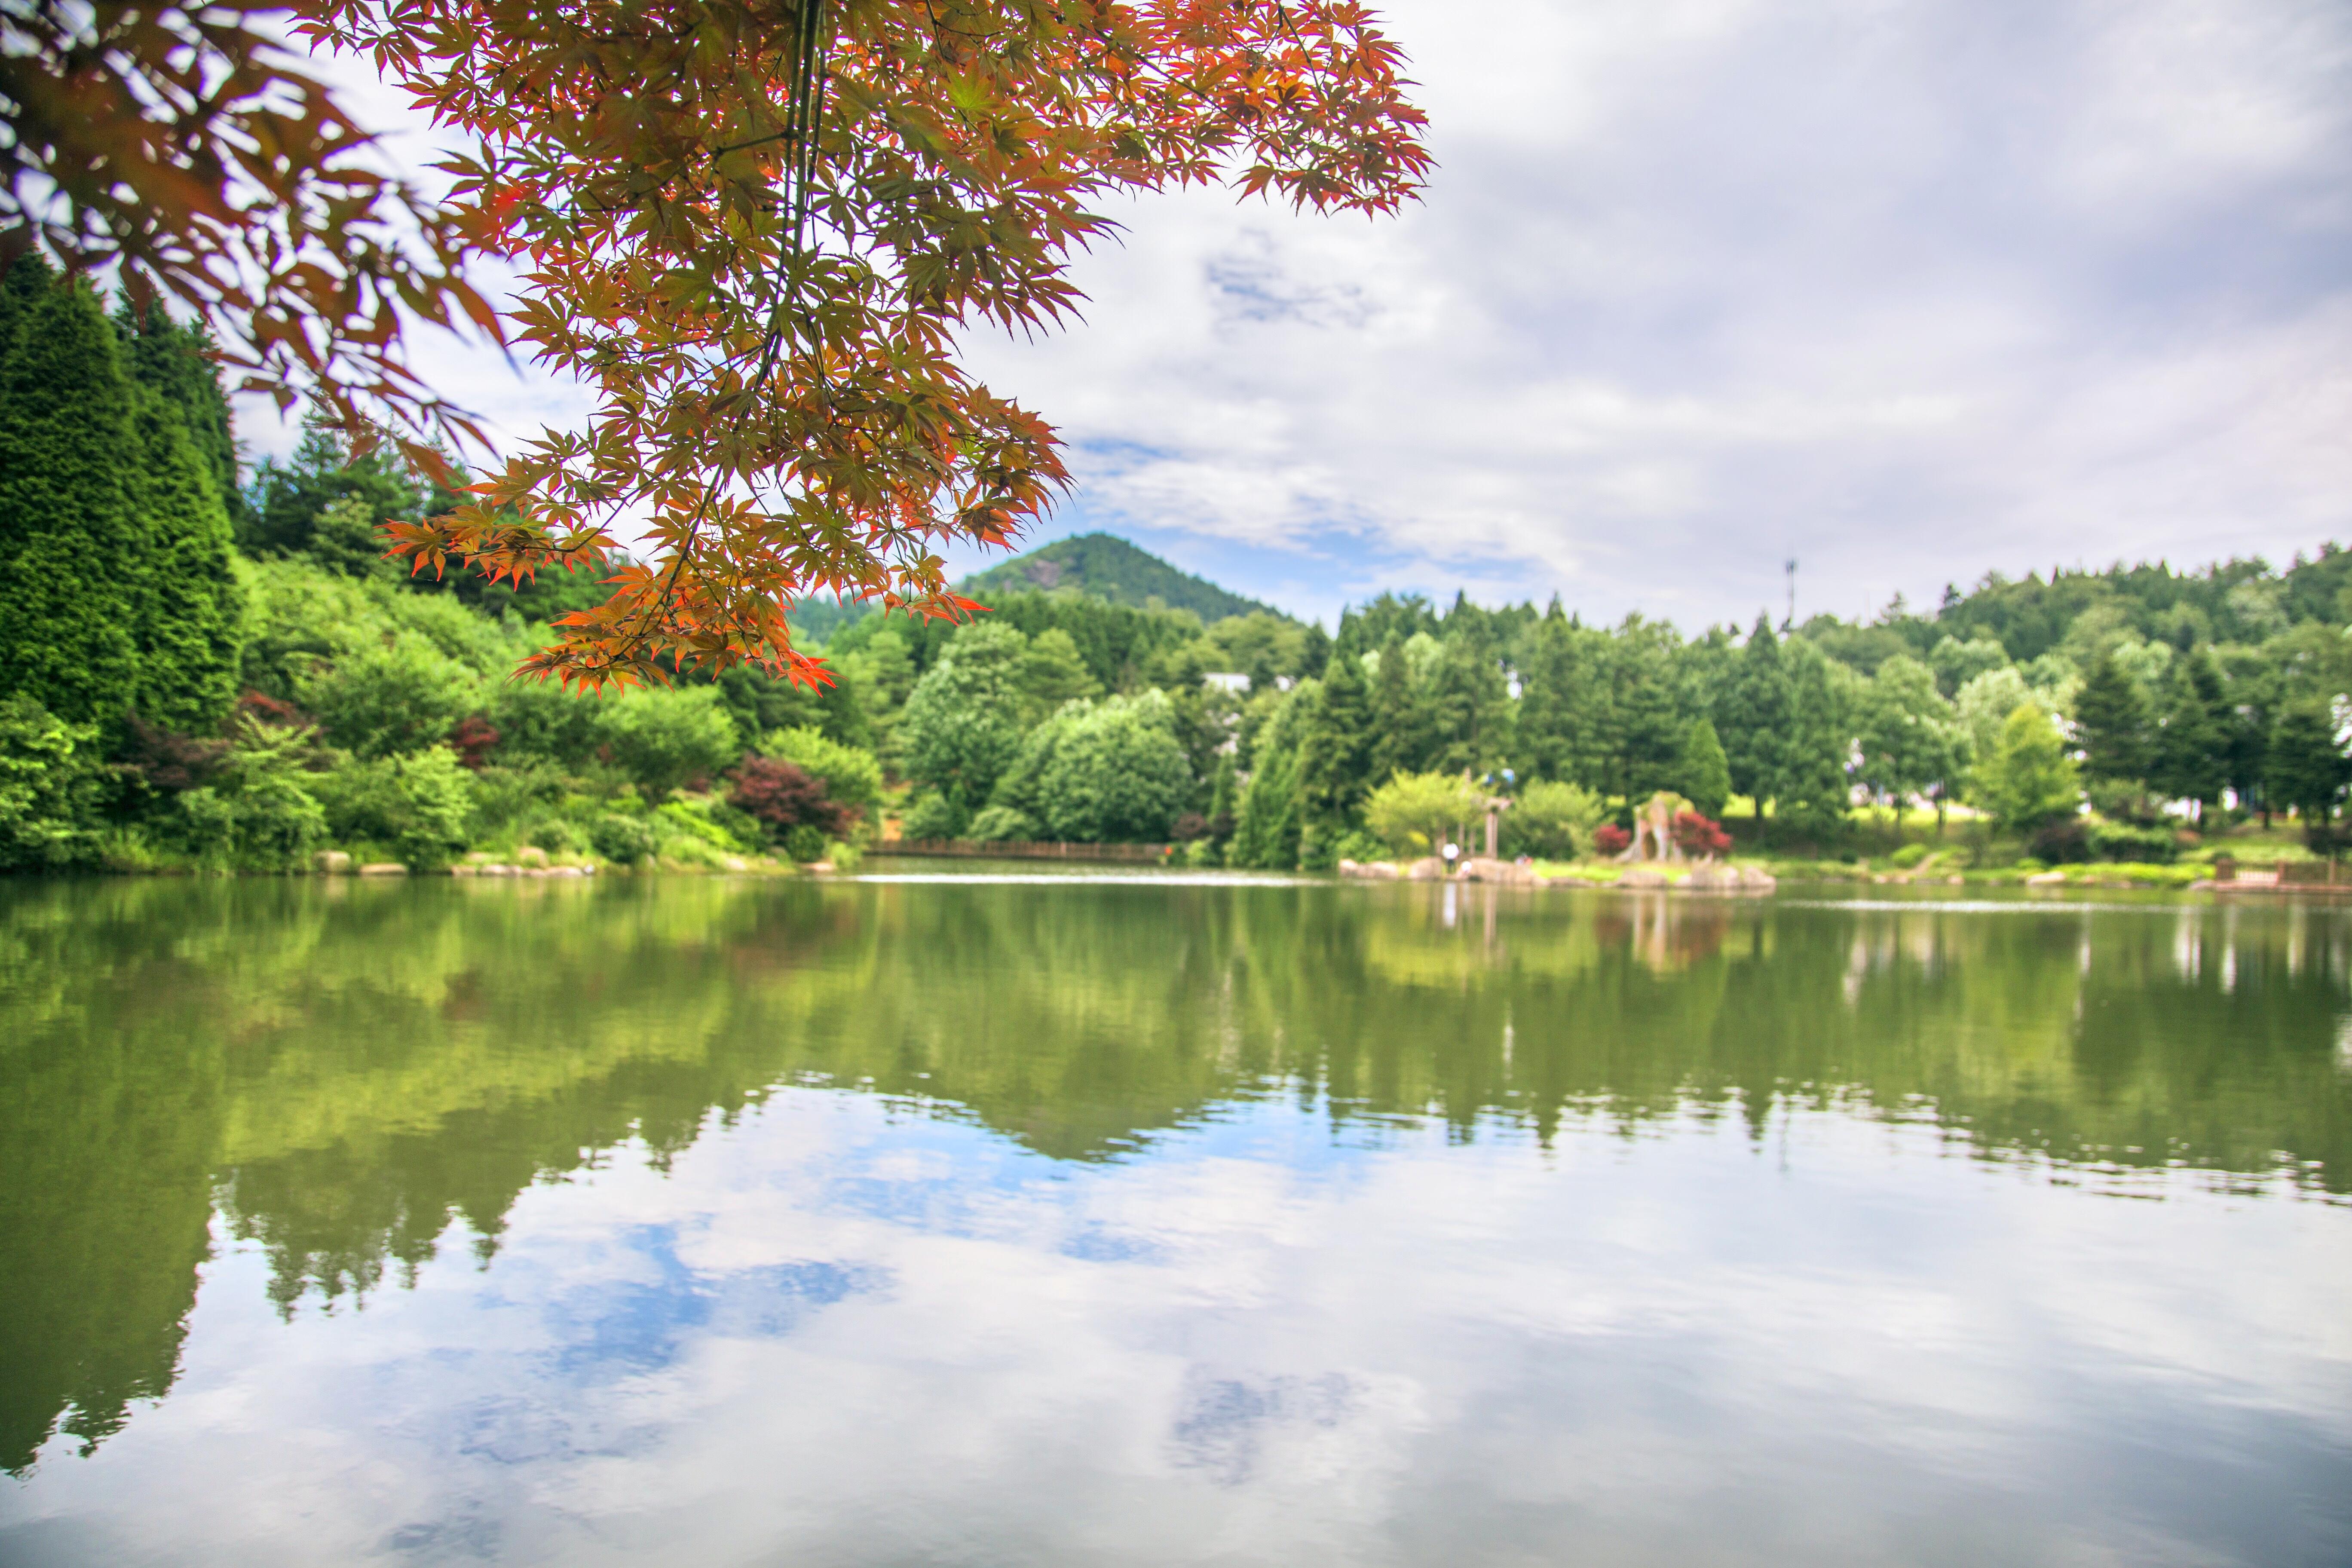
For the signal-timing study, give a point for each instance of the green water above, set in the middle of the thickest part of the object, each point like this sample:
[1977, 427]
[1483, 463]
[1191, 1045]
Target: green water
[1157, 1220]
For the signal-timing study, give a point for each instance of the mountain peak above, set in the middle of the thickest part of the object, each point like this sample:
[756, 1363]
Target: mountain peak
[1105, 567]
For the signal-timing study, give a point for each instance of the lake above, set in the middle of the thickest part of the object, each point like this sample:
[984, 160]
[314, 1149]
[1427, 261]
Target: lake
[1156, 1220]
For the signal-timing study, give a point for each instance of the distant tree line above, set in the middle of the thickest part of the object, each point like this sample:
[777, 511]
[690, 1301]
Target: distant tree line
[205, 667]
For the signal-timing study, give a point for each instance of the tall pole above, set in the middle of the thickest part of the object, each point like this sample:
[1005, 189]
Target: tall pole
[1791, 569]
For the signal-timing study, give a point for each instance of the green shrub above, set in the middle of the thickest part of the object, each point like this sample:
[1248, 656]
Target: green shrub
[666, 740]
[420, 804]
[852, 774]
[2147, 843]
[804, 842]
[932, 816]
[699, 818]
[49, 780]
[557, 837]
[1908, 857]
[1413, 812]
[624, 840]
[1357, 844]
[398, 696]
[1004, 824]
[259, 811]
[1551, 821]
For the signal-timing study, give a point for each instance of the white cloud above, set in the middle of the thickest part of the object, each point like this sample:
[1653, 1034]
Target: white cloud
[1906, 289]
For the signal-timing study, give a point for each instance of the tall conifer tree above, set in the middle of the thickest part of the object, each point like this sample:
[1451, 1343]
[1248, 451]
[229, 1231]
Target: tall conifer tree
[1335, 754]
[69, 540]
[2112, 723]
[1751, 715]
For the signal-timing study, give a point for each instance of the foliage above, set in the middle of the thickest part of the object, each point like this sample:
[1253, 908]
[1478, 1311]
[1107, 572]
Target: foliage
[2113, 725]
[178, 146]
[1551, 821]
[49, 781]
[959, 730]
[2308, 766]
[1695, 834]
[1911, 738]
[933, 816]
[1704, 773]
[1609, 839]
[781, 796]
[1004, 824]
[1101, 772]
[418, 805]
[261, 813]
[621, 839]
[1416, 812]
[399, 695]
[2029, 779]
[851, 775]
[668, 740]
[822, 244]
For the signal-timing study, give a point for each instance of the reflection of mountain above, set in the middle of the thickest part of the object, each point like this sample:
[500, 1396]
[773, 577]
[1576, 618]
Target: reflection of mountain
[338, 1071]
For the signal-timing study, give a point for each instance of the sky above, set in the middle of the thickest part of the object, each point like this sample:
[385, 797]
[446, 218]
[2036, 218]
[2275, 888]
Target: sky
[1905, 290]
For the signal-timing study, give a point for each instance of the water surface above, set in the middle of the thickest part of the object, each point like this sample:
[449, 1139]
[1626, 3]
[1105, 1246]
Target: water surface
[1062, 1220]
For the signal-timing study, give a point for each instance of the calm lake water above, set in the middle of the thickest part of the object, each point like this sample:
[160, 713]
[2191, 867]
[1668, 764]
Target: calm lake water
[1143, 1221]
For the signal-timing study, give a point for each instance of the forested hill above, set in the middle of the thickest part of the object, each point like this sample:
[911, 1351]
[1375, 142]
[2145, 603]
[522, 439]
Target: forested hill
[1107, 567]
[2241, 602]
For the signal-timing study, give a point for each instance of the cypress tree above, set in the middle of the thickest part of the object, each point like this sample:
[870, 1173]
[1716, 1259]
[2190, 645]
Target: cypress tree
[185, 602]
[70, 538]
[175, 361]
[2111, 720]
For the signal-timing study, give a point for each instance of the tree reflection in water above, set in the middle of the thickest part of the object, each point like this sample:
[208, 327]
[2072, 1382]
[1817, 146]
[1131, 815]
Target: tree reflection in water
[338, 1071]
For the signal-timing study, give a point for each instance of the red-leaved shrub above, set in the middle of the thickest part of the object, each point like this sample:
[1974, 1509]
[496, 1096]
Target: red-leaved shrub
[1610, 840]
[1696, 835]
[783, 797]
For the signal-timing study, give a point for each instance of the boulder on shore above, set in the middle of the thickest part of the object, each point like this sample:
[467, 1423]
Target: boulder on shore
[1428, 868]
[1643, 877]
[333, 863]
[1370, 871]
[384, 869]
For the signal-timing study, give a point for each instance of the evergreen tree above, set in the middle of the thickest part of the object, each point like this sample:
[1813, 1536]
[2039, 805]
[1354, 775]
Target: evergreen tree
[1703, 773]
[1809, 788]
[186, 604]
[1751, 715]
[2111, 722]
[174, 360]
[2306, 767]
[1395, 747]
[1266, 835]
[1471, 708]
[292, 495]
[70, 556]
[1335, 749]
[1646, 730]
[2192, 748]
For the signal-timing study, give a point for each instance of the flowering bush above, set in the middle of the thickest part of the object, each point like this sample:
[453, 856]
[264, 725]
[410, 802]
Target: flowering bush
[1610, 840]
